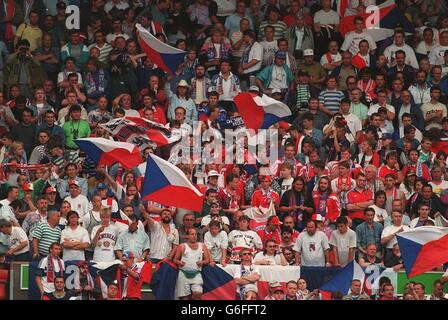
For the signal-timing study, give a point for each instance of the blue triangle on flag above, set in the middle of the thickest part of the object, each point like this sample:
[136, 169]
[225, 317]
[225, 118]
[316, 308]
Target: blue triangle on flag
[341, 280]
[409, 252]
[155, 179]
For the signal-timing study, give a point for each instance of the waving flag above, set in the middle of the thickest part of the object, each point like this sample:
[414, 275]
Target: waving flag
[423, 249]
[165, 56]
[389, 16]
[104, 151]
[166, 184]
[155, 131]
[342, 279]
[140, 132]
[260, 112]
[108, 272]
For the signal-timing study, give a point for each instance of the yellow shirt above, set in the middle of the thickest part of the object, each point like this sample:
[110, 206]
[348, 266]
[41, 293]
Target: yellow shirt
[30, 33]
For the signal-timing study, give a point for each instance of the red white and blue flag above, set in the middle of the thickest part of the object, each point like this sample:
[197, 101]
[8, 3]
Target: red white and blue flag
[166, 184]
[165, 56]
[423, 249]
[107, 152]
[260, 112]
[342, 279]
[379, 26]
[140, 132]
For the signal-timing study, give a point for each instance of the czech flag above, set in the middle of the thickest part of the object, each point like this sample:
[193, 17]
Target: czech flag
[380, 25]
[218, 284]
[104, 151]
[166, 184]
[260, 112]
[165, 56]
[156, 132]
[342, 279]
[423, 249]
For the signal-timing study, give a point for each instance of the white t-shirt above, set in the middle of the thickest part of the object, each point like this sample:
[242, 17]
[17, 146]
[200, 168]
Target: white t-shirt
[278, 78]
[43, 265]
[18, 235]
[324, 18]
[286, 185]
[269, 50]
[353, 123]
[256, 52]
[274, 260]
[208, 218]
[312, 248]
[436, 56]
[376, 107]
[379, 212]
[343, 242]
[411, 60]
[390, 230]
[131, 113]
[429, 108]
[252, 269]
[438, 189]
[352, 40]
[216, 244]
[78, 234]
[161, 243]
[79, 204]
[246, 239]
[104, 249]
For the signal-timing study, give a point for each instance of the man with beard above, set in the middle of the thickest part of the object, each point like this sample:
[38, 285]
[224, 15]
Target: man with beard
[311, 248]
[164, 236]
[199, 85]
[326, 201]
[84, 285]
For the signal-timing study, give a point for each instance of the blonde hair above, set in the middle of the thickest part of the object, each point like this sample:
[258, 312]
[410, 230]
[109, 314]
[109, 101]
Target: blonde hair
[105, 211]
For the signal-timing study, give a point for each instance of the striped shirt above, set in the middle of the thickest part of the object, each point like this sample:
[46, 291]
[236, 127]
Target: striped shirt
[331, 99]
[46, 235]
[279, 29]
[303, 95]
[104, 51]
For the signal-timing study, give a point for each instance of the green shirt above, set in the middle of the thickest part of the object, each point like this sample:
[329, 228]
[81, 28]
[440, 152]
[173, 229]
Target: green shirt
[360, 111]
[46, 235]
[75, 130]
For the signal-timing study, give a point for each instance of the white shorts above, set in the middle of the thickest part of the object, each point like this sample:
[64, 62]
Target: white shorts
[186, 286]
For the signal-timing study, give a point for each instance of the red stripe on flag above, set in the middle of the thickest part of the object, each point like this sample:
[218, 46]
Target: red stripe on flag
[432, 255]
[225, 292]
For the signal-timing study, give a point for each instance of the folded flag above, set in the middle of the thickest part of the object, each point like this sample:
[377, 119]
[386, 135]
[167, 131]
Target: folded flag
[107, 273]
[260, 112]
[389, 17]
[342, 279]
[165, 56]
[166, 184]
[423, 249]
[107, 152]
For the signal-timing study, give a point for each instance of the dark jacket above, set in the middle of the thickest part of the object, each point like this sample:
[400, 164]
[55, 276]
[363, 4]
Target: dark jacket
[416, 115]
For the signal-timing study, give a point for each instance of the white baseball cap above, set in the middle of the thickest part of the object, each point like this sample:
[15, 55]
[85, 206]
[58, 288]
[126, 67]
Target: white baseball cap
[213, 173]
[254, 88]
[308, 52]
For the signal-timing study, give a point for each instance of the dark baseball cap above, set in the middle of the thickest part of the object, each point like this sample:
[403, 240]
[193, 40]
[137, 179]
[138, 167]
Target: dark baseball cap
[61, 5]
[23, 42]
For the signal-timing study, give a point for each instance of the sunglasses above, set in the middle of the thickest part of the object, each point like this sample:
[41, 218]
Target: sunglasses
[246, 254]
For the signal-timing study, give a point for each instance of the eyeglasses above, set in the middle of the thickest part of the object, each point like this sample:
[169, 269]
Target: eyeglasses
[246, 254]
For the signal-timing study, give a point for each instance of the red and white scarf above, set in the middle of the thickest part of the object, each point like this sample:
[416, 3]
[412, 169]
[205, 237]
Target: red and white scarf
[50, 268]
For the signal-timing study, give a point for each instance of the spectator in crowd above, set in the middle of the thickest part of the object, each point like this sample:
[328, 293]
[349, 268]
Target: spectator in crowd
[247, 277]
[50, 267]
[355, 292]
[311, 247]
[133, 240]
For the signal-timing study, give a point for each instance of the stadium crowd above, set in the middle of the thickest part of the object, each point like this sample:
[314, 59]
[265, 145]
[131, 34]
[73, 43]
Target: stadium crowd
[362, 158]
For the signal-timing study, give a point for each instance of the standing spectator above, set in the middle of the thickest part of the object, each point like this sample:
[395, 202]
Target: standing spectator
[388, 239]
[30, 31]
[251, 59]
[247, 277]
[49, 268]
[78, 201]
[343, 241]
[74, 239]
[25, 131]
[311, 247]
[190, 257]
[300, 37]
[104, 238]
[75, 49]
[216, 241]
[18, 244]
[164, 237]
[133, 240]
[368, 232]
[46, 233]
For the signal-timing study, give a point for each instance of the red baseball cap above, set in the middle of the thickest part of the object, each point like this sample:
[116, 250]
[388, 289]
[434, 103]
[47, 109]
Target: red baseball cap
[28, 186]
[275, 220]
[50, 190]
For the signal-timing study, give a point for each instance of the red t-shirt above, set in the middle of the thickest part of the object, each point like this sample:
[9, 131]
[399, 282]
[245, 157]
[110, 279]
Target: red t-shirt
[385, 170]
[261, 199]
[355, 196]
